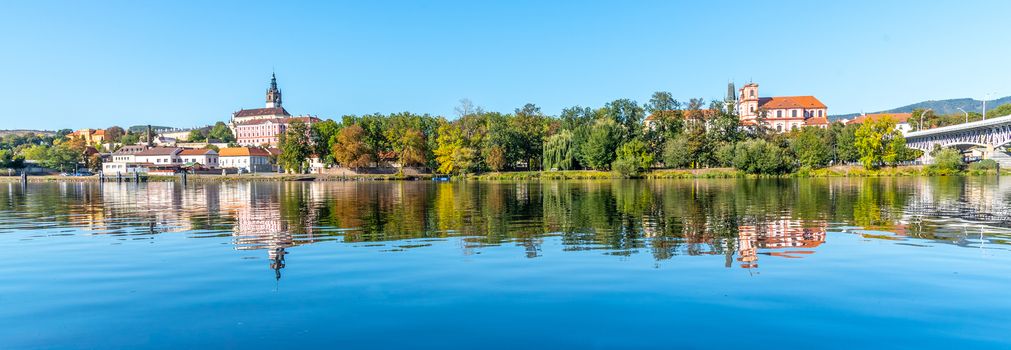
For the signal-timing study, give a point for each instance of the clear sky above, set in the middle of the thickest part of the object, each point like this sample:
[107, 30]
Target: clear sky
[78, 64]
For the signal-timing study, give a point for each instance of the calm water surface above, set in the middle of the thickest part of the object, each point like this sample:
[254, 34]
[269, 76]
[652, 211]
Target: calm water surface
[832, 263]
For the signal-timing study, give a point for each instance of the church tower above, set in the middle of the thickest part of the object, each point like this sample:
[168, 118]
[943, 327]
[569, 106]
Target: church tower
[730, 102]
[273, 94]
[747, 105]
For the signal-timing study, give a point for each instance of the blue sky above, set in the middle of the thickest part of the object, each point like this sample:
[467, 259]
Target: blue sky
[82, 64]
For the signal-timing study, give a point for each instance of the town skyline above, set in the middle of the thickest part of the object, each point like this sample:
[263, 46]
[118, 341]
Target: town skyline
[101, 65]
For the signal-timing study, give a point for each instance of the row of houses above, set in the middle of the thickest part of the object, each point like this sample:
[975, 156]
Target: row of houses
[142, 159]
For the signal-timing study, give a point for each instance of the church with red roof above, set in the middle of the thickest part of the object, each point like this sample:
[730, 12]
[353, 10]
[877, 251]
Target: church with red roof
[780, 113]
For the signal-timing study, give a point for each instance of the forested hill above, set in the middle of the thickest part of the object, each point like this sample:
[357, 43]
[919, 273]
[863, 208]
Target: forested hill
[940, 107]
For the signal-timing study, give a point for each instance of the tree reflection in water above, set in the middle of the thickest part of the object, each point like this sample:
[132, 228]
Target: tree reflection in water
[740, 219]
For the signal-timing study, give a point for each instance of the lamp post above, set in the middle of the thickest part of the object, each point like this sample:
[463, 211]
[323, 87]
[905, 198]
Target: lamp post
[985, 97]
[966, 113]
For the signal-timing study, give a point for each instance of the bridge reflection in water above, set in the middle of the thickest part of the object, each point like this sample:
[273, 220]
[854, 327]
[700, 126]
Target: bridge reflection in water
[742, 220]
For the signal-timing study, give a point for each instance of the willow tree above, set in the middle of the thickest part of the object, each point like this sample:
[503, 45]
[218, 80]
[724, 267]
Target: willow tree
[559, 151]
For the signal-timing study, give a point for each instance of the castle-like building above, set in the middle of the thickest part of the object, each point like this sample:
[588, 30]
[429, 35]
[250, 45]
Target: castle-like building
[263, 126]
[780, 113]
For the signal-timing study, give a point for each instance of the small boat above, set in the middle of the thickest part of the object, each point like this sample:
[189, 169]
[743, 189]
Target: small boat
[440, 178]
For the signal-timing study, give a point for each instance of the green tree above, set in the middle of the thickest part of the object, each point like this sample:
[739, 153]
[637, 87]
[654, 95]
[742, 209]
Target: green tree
[872, 141]
[846, 143]
[196, 135]
[220, 132]
[559, 151]
[10, 160]
[528, 128]
[946, 161]
[349, 148]
[687, 149]
[632, 159]
[412, 148]
[811, 147]
[295, 147]
[628, 114]
[131, 138]
[758, 156]
[323, 135]
[598, 152]
[453, 154]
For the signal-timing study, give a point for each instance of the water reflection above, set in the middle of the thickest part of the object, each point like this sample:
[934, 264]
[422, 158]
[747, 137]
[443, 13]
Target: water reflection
[745, 221]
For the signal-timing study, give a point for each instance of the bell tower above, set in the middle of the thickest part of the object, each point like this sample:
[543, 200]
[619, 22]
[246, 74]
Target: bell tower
[747, 104]
[273, 94]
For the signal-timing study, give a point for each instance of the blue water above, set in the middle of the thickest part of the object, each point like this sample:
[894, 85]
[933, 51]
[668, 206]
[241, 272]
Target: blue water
[422, 265]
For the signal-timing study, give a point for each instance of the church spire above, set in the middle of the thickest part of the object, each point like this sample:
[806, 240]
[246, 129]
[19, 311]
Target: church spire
[273, 93]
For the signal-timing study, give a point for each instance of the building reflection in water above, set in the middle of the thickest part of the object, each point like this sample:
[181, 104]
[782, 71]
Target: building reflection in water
[741, 220]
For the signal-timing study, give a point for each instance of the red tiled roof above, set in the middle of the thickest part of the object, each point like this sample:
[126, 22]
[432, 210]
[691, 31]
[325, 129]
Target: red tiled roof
[780, 102]
[307, 120]
[261, 111]
[816, 121]
[243, 152]
[195, 152]
[896, 117]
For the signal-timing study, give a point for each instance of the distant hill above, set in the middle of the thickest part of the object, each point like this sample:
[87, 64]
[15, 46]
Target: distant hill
[940, 107]
[25, 132]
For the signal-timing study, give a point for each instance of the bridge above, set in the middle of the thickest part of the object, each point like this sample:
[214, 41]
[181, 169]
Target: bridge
[989, 135]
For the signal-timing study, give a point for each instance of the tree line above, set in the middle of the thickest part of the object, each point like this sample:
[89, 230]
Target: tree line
[622, 136]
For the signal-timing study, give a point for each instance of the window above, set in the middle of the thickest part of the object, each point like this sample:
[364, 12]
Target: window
[793, 113]
[779, 114]
[820, 112]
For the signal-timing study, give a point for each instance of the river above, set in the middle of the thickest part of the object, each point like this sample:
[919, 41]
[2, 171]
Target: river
[787, 263]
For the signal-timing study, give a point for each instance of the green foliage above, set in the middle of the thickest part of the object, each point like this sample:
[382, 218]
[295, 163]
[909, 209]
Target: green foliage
[984, 165]
[873, 141]
[627, 114]
[724, 155]
[946, 161]
[196, 135]
[632, 159]
[598, 151]
[323, 135]
[559, 151]
[220, 133]
[686, 149]
[811, 147]
[295, 147]
[10, 160]
[453, 154]
[846, 142]
[59, 156]
[130, 138]
[758, 156]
